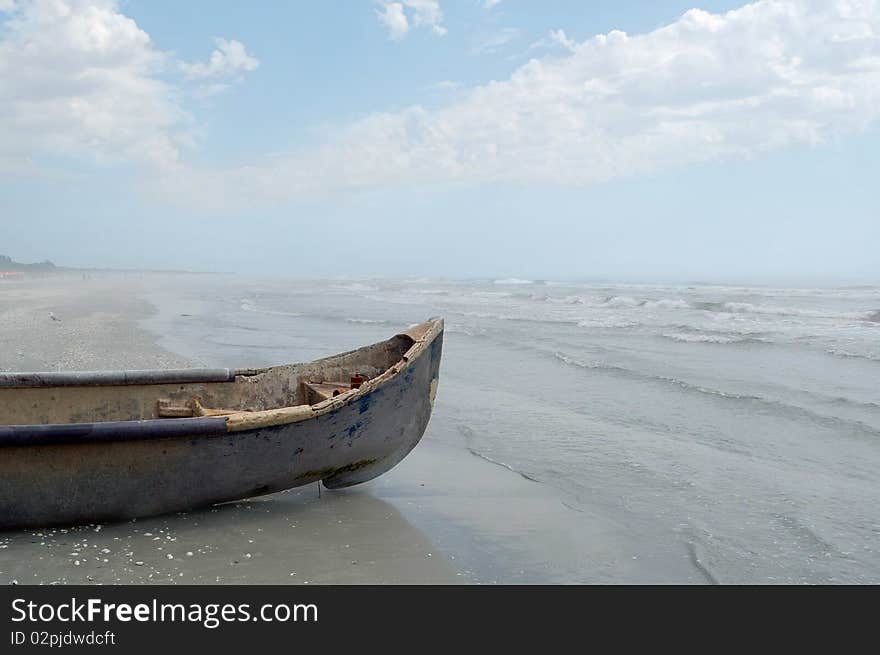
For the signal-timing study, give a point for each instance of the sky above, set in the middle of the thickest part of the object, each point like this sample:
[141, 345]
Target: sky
[628, 141]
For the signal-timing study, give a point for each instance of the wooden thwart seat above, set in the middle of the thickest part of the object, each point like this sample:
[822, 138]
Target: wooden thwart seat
[316, 392]
[193, 408]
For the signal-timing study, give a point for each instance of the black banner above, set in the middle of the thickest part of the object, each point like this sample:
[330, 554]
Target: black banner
[230, 619]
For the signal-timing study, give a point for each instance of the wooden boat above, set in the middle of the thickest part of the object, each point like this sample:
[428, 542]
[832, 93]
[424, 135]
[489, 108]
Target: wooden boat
[104, 446]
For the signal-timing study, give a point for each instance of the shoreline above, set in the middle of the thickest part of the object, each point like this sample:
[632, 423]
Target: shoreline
[444, 515]
[418, 524]
[493, 522]
[101, 326]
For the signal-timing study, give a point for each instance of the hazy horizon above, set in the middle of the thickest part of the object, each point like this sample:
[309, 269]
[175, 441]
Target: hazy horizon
[506, 280]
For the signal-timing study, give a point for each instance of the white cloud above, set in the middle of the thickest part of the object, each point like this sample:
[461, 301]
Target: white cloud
[80, 79]
[444, 85]
[400, 17]
[488, 4]
[230, 59]
[707, 87]
[488, 44]
[559, 37]
[393, 17]
[554, 40]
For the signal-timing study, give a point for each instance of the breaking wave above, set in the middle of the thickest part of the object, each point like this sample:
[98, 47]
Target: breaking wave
[513, 280]
[433, 292]
[692, 334]
[773, 310]
[691, 337]
[353, 286]
[248, 305]
[513, 317]
[630, 302]
[608, 323]
[491, 294]
[663, 303]
[846, 354]
[536, 297]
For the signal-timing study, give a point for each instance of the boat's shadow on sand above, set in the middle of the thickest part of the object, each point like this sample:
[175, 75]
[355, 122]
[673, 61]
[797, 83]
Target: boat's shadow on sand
[347, 537]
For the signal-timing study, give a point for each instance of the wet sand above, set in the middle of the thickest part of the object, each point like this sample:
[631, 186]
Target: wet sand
[442, 516]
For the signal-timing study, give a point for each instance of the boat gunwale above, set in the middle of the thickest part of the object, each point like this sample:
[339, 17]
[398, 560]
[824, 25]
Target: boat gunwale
[37, 380]
[422, 334]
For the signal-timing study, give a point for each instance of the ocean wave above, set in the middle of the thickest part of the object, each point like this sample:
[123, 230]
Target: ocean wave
[511, 317]
[513, 280]
[693, 337]
[850, 402]
[477, 453]
[656, 378]
[368, 321]
[846, 354]
[565, 359]
[662, 303]
[721, 307]
[468, 435]
[668, 304]
[793, 411]
[608, 323]
[454, 328]
[708, 306]
[491, 294]
[353, 286]
[537, 297]
[774, 310]
[622, 301]
[248, 305]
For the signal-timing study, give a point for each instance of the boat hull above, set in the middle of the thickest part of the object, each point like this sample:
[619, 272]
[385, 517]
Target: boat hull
[104, 478]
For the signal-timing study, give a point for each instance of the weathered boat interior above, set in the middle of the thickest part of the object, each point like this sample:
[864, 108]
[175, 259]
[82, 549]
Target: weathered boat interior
[59, 398]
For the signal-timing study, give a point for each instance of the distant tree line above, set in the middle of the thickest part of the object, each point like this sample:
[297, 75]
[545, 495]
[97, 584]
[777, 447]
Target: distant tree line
[9, 264]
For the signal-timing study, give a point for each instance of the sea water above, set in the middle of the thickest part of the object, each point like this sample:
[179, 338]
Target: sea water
[738, 424]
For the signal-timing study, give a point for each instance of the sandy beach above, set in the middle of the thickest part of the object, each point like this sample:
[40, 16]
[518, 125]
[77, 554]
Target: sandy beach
[442, 516]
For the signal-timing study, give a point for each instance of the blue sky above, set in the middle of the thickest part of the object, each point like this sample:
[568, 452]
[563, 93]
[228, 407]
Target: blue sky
[431, 137]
